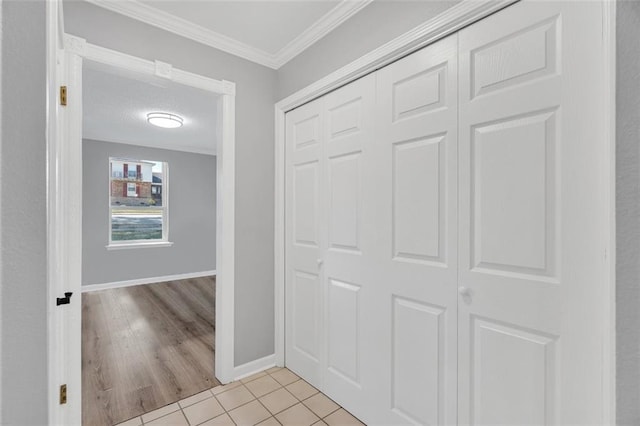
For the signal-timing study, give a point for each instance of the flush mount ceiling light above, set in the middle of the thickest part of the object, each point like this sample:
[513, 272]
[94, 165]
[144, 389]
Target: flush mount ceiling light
[165, 120]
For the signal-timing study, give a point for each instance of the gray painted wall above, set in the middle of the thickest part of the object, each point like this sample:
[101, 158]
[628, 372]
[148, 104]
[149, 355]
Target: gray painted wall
[628, 212]
[373, 26]
[23, 211]
[255, 85]
[192, 217]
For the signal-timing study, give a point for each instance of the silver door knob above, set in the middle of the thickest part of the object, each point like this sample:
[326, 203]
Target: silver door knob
[320, 262]
[464, 291]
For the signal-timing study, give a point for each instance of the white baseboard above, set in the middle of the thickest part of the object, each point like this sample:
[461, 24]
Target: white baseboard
[253, 367]
[140, 281]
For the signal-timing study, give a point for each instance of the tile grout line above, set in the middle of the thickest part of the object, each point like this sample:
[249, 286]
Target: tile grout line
[255, 398]
[327, 415]
[280, 386]
[301, 401]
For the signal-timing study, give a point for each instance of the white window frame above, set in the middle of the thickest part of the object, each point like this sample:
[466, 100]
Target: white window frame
[132, 244]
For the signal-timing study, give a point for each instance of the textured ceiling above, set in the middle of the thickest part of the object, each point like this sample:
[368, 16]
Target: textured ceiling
[115, 104]
[266, 25]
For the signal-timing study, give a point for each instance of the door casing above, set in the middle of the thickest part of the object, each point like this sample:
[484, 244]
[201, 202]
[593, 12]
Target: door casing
[64, 207]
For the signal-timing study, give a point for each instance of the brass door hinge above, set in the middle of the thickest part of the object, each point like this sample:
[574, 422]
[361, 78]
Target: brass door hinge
[63, 95]
[63, 394]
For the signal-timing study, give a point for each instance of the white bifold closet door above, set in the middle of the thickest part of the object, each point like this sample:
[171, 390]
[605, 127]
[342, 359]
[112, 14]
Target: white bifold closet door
[371, 208]
[530, 318]
[305, 241]
[443, 228]
[331, 206]
[416, 254]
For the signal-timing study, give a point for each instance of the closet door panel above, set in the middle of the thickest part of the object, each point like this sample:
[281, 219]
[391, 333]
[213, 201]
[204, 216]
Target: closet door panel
[529, 312]
[416, 253]
[345, 201]
[305, 240]
[347, 265]
[418, 210]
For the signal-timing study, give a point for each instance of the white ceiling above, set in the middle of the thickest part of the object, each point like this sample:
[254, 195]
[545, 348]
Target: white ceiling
[269, 32]
[267, 26]
[115, 104]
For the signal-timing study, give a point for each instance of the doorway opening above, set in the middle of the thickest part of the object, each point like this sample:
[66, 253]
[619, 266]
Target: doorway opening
[68, 209]
[148, 243]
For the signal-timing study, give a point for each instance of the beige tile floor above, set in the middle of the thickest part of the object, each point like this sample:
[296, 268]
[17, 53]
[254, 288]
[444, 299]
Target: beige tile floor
[273, 397]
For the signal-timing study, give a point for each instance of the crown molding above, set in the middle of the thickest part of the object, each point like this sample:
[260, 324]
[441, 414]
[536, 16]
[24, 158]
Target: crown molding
[163, 20]
[451, 20]
[323, 26]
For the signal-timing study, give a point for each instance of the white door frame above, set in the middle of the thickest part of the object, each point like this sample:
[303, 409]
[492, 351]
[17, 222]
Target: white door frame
[64, 210]
[450, 21]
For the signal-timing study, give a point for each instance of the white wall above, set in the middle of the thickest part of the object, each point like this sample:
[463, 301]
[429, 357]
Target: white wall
[375, 25]
[255, 85]
[192, 216]
[23, 211]
[628, 212]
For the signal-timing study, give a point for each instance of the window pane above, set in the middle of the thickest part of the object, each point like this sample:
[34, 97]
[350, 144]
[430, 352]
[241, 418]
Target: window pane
[136, 190]
[136, 224]
[136, 182]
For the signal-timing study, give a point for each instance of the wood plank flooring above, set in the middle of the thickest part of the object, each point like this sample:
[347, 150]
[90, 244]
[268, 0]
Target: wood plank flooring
[146, 346]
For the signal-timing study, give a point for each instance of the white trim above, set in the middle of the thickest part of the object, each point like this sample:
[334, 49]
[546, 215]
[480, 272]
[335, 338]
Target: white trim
[102, 55]
[63, 242]
[68, 231]
[64, 208]
[138, 245]
[182, 27]
[1, 353]
[140, 281]
[448, 22]
[323, 26]
[609, 209]
[168, 22]
[279, 238]
[253, 367]
[225, 234]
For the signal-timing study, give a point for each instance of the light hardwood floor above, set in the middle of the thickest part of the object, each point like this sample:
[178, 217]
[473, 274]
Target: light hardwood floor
[146, 346]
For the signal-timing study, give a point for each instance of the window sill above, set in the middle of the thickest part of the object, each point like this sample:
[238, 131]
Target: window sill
[154, 244]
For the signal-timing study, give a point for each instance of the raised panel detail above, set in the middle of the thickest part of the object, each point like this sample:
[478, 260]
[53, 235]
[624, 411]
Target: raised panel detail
[418, 361]
[345, 119]
[306, 132]
[418, 199]
[344, 201]
[513, 184]
[306, 288]
[419, 93]
[513, 375]
[525, 55]
[344, 339]
[305, 191]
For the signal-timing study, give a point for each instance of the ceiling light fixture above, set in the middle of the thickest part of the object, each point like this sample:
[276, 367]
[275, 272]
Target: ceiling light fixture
[165, 120]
